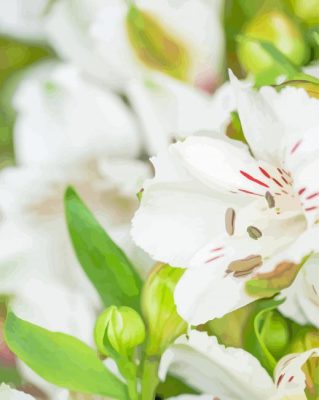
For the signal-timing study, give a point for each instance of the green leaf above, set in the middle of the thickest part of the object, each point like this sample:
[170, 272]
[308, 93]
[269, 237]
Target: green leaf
[61, 359]
[103, 261]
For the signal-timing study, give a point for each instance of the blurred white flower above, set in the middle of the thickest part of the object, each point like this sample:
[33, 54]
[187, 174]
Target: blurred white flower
[115, 40]
[64, 119]
[169, 109]
[230, 217]
[231, 373]
[23, 18]
[68, 132]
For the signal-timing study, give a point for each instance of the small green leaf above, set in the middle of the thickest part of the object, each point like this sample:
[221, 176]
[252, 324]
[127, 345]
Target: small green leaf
[61, 359]
[103, 261]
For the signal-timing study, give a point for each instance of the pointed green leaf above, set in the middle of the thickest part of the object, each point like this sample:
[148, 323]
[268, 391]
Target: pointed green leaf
[61, 359]
[103, 261]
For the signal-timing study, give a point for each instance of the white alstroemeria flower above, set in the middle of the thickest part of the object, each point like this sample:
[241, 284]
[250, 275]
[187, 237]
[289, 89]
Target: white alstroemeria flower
[64, 118]
[23, 18]
[6, 393]
[231, 373]
[230, 213]
[302, 297]
[106, 38]
[169, 109]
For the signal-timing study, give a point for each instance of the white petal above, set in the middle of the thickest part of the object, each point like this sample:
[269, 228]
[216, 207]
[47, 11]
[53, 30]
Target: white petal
[222, 164]
[193, 397]
[68, 30]
[170, 109]
[306, 182]
[6, 393]
[269, 117]
[207, 291]
[62, 118]
[289, 377]
[211, 368]
[177, 215]
[23, 19]
[302, 297]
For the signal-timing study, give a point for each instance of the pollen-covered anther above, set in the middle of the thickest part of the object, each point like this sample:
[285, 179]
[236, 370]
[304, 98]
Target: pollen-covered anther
[244, 266]
[270, 200]
[254, 232]
[230, 216]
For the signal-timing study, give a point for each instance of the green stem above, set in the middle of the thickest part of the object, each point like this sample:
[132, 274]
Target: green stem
[150, 378]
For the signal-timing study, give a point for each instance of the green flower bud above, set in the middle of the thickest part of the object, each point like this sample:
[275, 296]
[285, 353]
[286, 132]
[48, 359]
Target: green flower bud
[119, 329]
[159, 309]
[282, 32]
[307, 10]
[275, 334]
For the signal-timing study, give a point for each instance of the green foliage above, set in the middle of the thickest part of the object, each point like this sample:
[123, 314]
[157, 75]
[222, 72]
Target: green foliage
[103, 261]
[61, 359]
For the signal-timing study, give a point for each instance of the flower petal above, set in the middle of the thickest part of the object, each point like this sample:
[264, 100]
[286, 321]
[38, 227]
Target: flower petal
[269, 117]
[211, 368]
[289, 377]
[6, 393]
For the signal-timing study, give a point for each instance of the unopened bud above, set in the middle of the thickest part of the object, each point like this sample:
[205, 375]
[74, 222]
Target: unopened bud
[119, 329]
[278, 29]
[275, 334]
[159, 309]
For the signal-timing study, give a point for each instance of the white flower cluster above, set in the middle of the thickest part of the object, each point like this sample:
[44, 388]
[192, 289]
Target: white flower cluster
[241, 218]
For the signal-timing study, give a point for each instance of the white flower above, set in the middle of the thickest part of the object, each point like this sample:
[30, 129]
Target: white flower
[233, 374]
[64, 118]
[23, 18]
[229, 216]
[101, 37]
[169, 109]
[302, 297]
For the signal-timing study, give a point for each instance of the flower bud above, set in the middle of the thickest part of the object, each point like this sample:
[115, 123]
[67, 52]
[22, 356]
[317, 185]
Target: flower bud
[275, 334]
[159, 309]
[276, 28]
[119, 329]
[307, 10]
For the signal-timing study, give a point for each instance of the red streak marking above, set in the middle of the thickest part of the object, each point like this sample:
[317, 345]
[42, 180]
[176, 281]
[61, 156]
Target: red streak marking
[295, 147]
[264, 172]
[278, 183]
[301, 191]
[311, 208]
[291, 378]
[214, 258]
[280, 379]
[249, 192]
[217, 249]
[284, 192]
[312, 196]
[279, 170]
[284, 179]
[251, 178]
